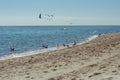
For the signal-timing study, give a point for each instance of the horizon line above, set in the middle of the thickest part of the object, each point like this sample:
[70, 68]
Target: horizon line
[69, 25]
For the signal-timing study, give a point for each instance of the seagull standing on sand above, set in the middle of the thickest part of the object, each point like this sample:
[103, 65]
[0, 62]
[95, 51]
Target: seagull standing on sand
[74, 43]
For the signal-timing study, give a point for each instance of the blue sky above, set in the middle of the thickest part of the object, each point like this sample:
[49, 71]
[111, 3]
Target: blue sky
[77, 12]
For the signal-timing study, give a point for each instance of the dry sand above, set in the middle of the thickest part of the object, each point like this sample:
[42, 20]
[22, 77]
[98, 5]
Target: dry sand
[98, 59]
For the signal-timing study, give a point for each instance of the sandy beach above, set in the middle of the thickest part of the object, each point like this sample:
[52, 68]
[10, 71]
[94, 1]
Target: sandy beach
[98, 59]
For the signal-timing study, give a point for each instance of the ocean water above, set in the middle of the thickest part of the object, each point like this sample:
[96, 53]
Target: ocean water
[28, 38]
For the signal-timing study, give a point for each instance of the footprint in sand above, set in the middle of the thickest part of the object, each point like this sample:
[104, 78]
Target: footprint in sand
[73, 79]
[45, 71]
[28, 73]
[110, 78]
[95, 74]
[51, 79]
[54, 69]
[29, 77]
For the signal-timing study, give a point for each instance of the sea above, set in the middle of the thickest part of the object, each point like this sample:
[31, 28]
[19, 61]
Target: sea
[31, 38]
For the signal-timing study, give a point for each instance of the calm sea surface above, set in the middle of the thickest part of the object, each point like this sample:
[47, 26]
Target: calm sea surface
[25, 38]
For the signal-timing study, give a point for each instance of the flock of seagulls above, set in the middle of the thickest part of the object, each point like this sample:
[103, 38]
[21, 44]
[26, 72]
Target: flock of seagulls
[46, 16]
[12, 49]
[49, 17]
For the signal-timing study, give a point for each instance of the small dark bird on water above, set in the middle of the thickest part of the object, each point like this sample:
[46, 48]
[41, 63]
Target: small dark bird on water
[12, 49]
[64, 45]
[44, 46]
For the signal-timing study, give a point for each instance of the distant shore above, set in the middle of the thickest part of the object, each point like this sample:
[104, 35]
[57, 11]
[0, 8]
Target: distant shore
[98, 59]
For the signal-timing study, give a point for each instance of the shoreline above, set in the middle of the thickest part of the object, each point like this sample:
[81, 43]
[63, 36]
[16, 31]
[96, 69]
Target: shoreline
[39, 51]
[97, 59]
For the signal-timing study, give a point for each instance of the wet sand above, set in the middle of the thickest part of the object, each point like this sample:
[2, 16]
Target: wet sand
[98, 59]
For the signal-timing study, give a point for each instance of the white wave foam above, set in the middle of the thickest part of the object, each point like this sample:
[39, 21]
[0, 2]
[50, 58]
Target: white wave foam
[92, 37]
[28, 53]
